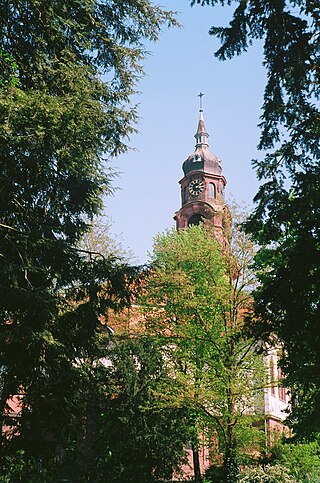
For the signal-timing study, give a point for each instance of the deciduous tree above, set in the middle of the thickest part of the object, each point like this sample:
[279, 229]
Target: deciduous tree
[195, 300]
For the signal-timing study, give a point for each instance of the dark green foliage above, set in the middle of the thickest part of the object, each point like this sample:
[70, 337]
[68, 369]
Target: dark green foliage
[68, 70]
[22, 468]
[139, 442]
[215, 474]
[291, 279]
[8, 70]
[286, 218]
[53, 359]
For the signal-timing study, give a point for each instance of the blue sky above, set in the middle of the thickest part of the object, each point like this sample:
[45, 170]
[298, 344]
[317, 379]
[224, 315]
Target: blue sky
[179, 66]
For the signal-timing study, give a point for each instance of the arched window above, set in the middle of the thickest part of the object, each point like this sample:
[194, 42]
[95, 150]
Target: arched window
[211, 190]
[195, 219]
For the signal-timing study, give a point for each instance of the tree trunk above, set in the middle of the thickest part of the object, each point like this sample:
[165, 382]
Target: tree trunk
[231, 467]
[196, 465]
[231, 460]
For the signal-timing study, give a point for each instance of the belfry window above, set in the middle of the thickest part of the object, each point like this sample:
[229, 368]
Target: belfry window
[195, 219]
[211, 190]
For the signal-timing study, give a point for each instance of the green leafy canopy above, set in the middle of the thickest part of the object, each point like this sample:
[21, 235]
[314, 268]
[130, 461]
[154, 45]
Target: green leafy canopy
[194, 301]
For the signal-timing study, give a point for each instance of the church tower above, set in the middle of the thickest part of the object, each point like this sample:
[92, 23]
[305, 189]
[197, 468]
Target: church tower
[202, 187]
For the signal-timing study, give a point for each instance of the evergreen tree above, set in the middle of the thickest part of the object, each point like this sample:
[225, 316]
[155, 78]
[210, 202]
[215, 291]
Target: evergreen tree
[286, 219]
[69, 69]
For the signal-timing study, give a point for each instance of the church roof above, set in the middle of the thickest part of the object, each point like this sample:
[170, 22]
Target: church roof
[202, 160]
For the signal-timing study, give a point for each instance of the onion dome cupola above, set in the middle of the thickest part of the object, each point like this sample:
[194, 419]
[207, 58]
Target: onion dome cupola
[202, 187]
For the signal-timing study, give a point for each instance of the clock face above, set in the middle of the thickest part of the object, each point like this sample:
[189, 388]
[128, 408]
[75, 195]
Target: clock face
[196, 186]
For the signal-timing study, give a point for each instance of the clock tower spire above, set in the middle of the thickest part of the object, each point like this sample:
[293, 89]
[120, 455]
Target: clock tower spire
[201, 135]
[203, 184]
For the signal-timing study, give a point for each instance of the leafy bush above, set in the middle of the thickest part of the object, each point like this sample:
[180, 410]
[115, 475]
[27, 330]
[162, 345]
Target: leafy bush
[266, 474]
[301, 459]
[19, 468]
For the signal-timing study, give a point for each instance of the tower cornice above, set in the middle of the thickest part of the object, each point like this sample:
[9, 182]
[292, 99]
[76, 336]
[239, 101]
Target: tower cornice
[204, 174]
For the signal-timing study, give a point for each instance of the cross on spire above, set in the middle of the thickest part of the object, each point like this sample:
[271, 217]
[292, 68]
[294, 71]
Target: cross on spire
[201, 96]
